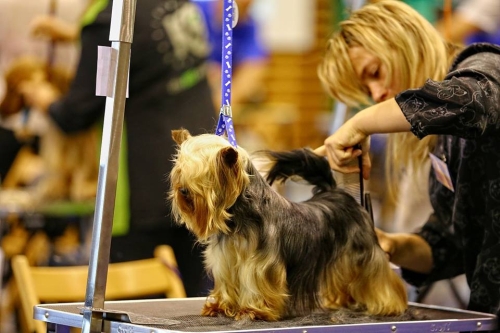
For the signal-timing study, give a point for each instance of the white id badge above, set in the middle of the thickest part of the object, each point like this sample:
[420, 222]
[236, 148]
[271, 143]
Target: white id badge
[441, 171]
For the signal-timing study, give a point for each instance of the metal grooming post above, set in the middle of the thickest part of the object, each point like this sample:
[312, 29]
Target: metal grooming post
[121, 33]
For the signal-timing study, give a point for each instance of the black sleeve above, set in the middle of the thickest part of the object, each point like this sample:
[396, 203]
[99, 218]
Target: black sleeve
[9, 147]
[465, 104]
[80, 107]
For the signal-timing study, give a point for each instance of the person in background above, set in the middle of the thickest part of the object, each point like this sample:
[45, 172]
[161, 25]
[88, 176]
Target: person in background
[10, 146]
[472, 21]
[168, 89]
[250, 54]
[443, 103]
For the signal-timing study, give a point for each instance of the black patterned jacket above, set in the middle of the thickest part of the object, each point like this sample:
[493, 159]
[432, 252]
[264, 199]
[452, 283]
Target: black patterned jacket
[464, 231]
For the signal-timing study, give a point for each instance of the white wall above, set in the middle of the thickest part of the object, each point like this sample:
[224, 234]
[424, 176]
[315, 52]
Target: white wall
[287, 25]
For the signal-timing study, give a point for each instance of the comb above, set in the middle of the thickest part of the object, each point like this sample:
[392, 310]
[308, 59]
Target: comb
[353, 184]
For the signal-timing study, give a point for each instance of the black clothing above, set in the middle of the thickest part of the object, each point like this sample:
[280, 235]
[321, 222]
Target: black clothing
[168, 89]
[9, 147]
[464, 231]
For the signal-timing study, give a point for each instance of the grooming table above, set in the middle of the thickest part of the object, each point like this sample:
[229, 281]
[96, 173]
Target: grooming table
[183, 315]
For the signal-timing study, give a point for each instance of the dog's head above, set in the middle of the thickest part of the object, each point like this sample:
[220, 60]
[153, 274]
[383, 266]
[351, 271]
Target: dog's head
[207, 177]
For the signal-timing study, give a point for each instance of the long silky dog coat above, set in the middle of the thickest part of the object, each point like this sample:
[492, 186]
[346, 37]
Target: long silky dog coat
[269, 257]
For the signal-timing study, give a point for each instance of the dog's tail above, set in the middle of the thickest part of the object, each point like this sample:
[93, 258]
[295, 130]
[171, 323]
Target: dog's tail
[303, 163]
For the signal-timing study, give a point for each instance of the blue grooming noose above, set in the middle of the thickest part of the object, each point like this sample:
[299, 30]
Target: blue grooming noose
[229, 20]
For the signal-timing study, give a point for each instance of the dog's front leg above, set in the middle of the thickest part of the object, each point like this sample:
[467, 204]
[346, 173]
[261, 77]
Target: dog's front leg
[259, 309]
[249, 283]
[263, 301]
[263, 294]
[212, 307]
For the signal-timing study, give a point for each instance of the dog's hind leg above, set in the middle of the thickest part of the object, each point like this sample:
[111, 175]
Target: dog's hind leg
[379, 288]
[335, 289]
[372, 287]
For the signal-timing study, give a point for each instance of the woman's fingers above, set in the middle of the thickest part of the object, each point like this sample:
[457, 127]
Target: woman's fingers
[367, 166]
[342, 160]
[385, 242]
[365, 160]
[320, 150]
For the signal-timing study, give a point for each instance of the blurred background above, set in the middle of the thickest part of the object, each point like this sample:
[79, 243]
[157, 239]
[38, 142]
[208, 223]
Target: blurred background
[278, 103]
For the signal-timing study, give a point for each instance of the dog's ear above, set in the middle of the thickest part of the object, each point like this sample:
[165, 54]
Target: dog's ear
[231, 180]
[180, 135]
[228, 156]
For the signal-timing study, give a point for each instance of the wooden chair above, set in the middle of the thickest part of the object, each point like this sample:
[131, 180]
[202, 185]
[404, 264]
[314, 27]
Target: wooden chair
[127, 280]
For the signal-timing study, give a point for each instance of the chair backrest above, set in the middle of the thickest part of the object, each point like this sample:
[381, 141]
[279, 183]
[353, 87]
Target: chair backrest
[127, 280]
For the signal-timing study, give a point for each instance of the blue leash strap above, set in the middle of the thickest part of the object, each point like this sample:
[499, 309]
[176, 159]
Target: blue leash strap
[225, 123]
[227, 51]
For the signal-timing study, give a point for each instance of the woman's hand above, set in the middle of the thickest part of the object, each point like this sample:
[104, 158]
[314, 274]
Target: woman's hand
[384, 117]
[344, 147]
[386, 242]
[406, 250]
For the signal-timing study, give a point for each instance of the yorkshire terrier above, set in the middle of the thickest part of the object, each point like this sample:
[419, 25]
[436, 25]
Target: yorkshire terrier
[271, 258]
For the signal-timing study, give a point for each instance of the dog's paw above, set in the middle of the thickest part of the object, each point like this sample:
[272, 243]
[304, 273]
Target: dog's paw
[211, 310]
[250, 314]
[246, 315]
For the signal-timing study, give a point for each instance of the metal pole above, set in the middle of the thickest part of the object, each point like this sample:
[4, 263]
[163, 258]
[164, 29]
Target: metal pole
[121, 33]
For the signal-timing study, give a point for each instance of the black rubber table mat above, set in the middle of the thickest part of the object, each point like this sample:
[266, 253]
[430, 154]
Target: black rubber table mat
[184, 315]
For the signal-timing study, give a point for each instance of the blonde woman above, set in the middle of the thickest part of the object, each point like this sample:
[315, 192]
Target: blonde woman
[444, 103]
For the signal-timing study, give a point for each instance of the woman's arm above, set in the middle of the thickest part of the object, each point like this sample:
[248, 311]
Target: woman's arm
[465, 104]
[384, 117]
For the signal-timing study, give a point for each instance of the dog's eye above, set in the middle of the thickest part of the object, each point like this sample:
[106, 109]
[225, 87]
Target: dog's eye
[184, 192]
